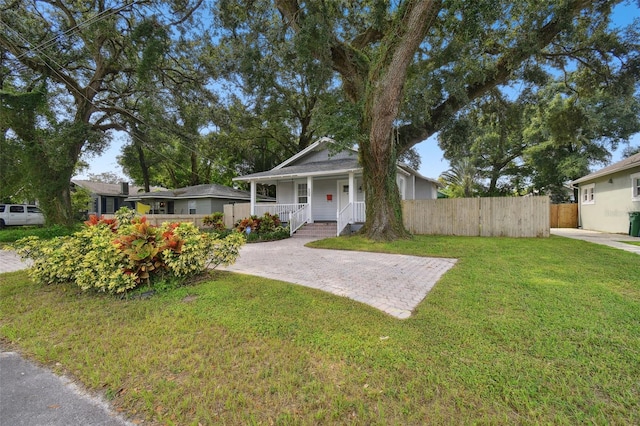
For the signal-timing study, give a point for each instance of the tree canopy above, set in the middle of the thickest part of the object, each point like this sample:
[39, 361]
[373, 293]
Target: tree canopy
[210, 90]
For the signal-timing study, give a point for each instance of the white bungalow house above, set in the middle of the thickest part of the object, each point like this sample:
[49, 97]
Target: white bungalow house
[318, 186]
[608, 195]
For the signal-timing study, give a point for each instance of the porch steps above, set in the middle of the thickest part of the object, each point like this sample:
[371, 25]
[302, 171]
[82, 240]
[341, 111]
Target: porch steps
[318, 229]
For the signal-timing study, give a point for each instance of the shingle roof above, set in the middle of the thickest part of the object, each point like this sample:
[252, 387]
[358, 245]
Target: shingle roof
[627, 163]
[318, 167]
[112, 189]
[199, 191]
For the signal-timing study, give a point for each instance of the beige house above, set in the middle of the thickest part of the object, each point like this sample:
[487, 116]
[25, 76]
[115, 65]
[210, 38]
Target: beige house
[609, 195]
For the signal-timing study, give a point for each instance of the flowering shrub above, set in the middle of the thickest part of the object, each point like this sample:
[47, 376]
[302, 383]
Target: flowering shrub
[268, 223]
[264, 228]
[110, 258]
[247, 222]
[95, 221]
[215, 220]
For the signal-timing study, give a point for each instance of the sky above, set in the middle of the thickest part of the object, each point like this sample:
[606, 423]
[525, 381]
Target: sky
[432, 161]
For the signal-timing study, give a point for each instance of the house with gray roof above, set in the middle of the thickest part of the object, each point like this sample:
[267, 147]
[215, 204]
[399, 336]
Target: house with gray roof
[318, 185]
[107, 198]
[198, 199]
[608, 195]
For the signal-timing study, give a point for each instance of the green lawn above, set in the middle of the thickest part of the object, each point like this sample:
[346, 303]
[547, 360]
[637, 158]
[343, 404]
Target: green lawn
[520, 331]
[11, 234]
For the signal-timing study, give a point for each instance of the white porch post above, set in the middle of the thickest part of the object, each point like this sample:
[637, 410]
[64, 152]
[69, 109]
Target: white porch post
[253, 197]
[352, 190]
[310, 197]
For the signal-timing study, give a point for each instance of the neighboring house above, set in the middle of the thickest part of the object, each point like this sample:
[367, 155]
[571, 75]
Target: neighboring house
[199, 199]
[107, 198]
[609, 195]
[315, 185]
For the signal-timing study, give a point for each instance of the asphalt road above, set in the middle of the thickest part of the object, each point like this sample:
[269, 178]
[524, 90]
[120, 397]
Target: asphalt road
[33, 396]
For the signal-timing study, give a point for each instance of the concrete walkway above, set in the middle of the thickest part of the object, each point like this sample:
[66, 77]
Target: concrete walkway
[611, 240]
[393, 283]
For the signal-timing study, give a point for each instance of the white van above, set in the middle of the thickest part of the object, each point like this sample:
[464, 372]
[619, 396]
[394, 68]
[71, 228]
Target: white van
[20, 214]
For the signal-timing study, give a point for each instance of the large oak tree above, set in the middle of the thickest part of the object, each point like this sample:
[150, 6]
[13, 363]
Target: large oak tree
[412, 65]
[82, 58]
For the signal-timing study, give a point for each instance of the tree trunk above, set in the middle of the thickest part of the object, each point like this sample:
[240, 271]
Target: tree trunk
[195, 179]
[138, 137]
[143, 167]
[382, 103]
[384, 209]
[55, 197]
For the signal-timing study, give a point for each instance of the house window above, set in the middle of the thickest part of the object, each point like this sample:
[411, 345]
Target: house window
[588, 194]
[192, 206]
[302, 193]
[110, 205]
[635, 187]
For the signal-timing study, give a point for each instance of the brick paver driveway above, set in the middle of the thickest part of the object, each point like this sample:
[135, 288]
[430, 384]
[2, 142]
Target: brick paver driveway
[392, 283]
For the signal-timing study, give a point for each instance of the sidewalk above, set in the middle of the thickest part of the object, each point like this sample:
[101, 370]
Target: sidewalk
[33, 396]
[10, 262]
[611, 240]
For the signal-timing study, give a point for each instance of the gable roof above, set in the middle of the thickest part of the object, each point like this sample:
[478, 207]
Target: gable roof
[411, 171]
[210, 190]
[627, 163]
[318, 145]
[289, 170]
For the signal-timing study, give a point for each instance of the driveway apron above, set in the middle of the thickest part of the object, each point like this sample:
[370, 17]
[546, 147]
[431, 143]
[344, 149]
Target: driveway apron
[393, 283]
[602, 238]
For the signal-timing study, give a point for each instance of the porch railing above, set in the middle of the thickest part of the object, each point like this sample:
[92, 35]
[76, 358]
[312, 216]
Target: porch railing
[351, 213]
[282, 210]
[359, 212]
[298, 218]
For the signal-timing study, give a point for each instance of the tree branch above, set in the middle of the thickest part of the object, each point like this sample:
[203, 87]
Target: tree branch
[411, 134]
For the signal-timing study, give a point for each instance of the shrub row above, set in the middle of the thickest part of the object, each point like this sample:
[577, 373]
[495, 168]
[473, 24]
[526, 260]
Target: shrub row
[116, 255]
[256, 228]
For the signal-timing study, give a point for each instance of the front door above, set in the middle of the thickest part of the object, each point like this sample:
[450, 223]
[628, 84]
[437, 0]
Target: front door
[343, 194]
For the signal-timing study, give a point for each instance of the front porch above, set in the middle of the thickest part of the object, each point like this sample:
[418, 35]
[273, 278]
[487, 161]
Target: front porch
[324, 198]
[299, 214]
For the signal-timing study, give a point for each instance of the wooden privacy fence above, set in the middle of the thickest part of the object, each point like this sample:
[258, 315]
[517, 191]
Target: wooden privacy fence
[485, 217]
[235, 212]
[564, 215]
[159, 219]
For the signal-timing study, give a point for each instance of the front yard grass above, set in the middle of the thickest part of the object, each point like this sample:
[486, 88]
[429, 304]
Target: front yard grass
[520, 331]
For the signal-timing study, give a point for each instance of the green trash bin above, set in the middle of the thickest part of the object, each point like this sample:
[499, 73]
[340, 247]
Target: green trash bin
[634, 224]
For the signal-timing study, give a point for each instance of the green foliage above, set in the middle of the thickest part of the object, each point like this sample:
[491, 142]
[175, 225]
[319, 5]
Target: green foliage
[263, 228]
[277, 233]
[267, 223]
[109, 258]
[215, 221]
[12, 234]
[124, 216]
[520, 331]
[80, 199]
[461, 180]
